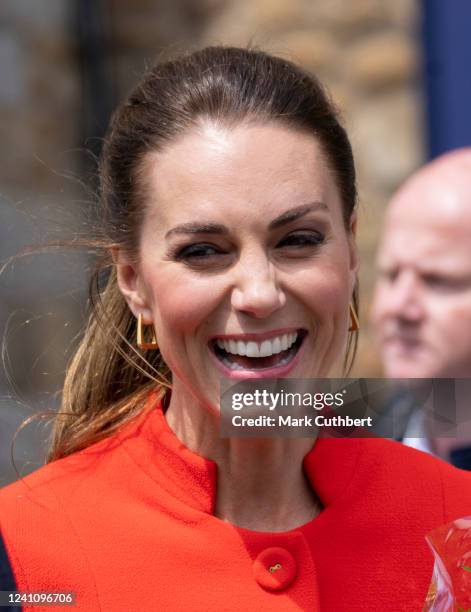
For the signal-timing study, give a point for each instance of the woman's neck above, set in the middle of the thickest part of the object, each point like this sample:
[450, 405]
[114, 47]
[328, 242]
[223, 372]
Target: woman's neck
[261, 483]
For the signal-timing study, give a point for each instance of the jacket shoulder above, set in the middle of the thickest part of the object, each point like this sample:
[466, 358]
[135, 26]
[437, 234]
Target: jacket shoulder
[49, 487]
[409, 468]
[40, 538]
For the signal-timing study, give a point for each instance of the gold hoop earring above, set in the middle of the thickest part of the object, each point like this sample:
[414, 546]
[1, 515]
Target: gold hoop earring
[141, 341]
[354, 322]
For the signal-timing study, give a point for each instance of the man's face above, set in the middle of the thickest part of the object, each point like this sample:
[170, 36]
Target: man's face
[422, 302]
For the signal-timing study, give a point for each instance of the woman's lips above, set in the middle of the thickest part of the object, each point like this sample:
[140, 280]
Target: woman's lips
[274, 371]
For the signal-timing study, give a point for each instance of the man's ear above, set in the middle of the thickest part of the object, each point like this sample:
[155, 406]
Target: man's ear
[130, 285]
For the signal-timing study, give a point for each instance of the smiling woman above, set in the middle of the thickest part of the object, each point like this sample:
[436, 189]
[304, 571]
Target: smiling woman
[228, 240]
[249, 219]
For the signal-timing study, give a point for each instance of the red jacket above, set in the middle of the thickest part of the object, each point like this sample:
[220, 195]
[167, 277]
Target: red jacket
[128, 524]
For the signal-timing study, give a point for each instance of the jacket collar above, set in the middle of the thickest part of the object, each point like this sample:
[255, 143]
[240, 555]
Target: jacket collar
[330, 465]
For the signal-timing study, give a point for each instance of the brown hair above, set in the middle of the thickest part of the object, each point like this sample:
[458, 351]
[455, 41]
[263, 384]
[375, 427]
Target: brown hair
[108, 379]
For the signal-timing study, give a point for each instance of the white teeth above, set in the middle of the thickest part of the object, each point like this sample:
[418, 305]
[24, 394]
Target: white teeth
[265, 348]
[276, 345]
[254, 349]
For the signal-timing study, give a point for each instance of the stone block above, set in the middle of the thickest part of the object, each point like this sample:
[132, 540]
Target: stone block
[314, 49]
[387, 134]
[381, 60]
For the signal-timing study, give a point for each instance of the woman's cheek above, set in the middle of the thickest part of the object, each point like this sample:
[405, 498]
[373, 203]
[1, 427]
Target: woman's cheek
[182, 305]
[326, 291]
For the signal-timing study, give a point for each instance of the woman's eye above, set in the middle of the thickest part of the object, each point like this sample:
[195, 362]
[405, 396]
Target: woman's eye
[302, 239]
[197, 251]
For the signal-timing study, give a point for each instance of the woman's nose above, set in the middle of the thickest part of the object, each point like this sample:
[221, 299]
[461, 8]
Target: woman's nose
[256, 290]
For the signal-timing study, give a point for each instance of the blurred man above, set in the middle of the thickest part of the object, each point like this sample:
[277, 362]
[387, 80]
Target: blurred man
[422, 302]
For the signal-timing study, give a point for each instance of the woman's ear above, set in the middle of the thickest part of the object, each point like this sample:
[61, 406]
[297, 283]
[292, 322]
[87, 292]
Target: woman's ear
[353, 248]
[131, 286]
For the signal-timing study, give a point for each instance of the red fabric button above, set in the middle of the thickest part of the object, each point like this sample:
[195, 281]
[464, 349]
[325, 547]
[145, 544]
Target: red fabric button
[274, 569]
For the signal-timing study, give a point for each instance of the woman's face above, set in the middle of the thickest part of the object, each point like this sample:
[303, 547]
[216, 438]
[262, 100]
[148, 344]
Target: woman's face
[246, 269]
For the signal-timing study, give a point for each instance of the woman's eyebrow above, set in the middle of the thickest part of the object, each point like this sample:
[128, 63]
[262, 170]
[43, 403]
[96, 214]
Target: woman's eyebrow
[295, 213]
[216, 228]
[198, 228]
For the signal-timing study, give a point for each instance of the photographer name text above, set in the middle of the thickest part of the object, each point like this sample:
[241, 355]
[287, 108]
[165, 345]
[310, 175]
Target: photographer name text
[305, 421]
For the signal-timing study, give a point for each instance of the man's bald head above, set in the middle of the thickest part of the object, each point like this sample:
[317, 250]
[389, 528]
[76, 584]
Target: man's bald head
[422, 302]
[445, 186]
